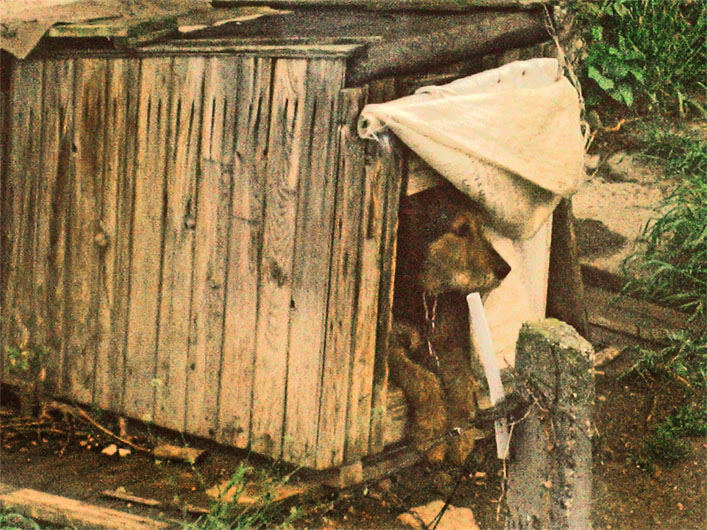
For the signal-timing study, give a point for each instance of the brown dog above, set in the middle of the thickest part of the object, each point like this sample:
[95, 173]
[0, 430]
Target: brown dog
[442, 256]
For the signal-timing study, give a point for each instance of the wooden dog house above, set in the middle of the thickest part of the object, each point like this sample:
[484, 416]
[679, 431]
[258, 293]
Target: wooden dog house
[193, 231]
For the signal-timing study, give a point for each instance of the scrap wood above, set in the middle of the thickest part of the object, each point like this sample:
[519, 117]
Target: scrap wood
[121, 495]
[83, 415]
[190, 455]
[607, 355]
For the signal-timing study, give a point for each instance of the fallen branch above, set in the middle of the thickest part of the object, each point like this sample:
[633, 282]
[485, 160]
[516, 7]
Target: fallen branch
[83, 415]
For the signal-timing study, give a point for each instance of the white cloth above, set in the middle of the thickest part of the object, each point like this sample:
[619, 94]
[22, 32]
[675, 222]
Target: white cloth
[510, 138]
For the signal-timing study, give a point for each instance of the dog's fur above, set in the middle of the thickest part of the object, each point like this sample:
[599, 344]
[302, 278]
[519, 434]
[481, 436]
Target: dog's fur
[442, 253]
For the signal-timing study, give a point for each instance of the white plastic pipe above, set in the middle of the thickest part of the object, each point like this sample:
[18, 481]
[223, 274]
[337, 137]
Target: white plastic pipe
[481, 342]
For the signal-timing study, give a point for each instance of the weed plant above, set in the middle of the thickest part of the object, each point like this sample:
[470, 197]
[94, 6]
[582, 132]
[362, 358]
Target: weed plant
[262, 513]
[651, 53]
[672, 269]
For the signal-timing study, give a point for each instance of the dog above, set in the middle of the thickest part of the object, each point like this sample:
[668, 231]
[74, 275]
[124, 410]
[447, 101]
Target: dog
[442, 256]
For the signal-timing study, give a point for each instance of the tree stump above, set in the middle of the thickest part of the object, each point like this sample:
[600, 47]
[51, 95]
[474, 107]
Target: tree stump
[550, 478]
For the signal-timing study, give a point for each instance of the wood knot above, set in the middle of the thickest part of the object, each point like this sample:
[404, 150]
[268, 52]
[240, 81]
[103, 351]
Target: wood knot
[101, 239]
[189, 222]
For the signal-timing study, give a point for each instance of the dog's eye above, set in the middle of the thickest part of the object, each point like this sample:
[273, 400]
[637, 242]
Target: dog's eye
[462, 230]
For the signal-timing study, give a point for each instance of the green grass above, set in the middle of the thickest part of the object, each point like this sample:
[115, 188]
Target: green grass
[263, 513]
[645, 53]
[672, 269]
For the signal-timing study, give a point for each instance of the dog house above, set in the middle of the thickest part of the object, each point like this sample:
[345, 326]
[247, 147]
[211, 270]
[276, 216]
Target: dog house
[193, 232]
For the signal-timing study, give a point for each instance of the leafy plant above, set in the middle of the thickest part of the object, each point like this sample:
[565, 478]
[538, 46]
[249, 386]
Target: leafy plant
[652, 51]
[10, 520]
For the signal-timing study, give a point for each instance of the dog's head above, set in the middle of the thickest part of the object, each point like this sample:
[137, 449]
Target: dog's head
[442, 246]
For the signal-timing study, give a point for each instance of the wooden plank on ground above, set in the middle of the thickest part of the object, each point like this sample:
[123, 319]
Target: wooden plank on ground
[312, 254]
[389, 5]
[344, 274]
[182, 166]
[54, 210]
[62, 511]
[211, 243]
[84, 226]
[241, 310]
[275, 284]
[392, 168]
[145, 269]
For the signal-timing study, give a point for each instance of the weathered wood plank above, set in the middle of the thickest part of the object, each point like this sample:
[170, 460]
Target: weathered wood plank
[388, 5]
[145, 269]
[84, 226]
[182, 166]
[123, 236]
[241, 310]
[312, 254]
[275, 284]
[565, 291]
[62, 511]
[343, 290]
[108, 359]
[346, 312]
[210, 254]
[391, 167]
[24, 120]
[57, 126]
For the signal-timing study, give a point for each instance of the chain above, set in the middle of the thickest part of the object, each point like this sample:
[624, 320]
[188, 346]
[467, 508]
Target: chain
[430, 316]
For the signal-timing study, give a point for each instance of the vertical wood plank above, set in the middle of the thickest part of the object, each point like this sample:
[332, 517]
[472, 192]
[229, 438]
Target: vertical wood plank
[353, 308]
[145, 269]
[123, 236]
[334, 420]
[84, 225]
[54, 213]
[249, 174]
[5, 74]
[182, 166]
[112, 280]
[275, 284]
[210, 254]
[312, 259]
[391, 166]
[24, 119]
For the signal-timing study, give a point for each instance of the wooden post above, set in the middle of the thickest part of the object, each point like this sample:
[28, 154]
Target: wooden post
[565, 291]
[550, 481]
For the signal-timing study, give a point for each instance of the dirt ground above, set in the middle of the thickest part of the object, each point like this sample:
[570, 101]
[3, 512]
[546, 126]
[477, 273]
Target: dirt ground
[63, 456]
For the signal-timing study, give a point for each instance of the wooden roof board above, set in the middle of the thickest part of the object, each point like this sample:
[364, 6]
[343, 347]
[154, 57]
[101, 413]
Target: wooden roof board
[24, 22]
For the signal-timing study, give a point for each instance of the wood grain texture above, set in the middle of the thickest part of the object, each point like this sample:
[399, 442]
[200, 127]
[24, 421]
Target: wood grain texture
[211, 242]
[312, 259]
[359, 275]
[84, 225]
[182, 166]
[391, 165]
[145, 268]
[109, 369]
[344, 277]
[244, 247]
[275, 284]
[55, 201]
[24, 120]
